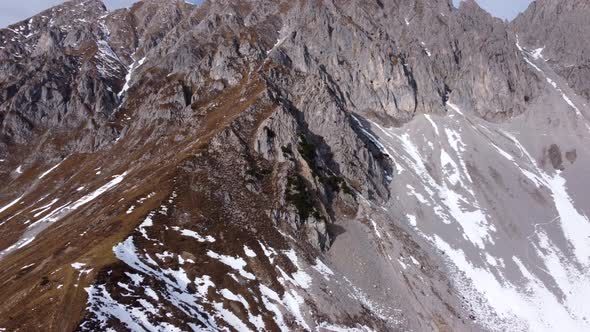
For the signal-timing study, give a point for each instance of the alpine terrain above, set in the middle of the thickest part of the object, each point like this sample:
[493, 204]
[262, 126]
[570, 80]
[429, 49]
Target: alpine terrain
[295, 165]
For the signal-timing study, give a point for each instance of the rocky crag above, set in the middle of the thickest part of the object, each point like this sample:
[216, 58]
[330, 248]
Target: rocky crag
[562, 43]
[293, 165]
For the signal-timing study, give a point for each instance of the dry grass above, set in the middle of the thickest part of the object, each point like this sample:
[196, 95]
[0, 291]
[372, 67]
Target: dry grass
[32, 298]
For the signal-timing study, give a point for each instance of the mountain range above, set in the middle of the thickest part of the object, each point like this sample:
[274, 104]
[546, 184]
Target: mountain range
[309, 165]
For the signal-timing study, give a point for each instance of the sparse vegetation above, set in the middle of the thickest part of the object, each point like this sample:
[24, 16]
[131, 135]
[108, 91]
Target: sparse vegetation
[270, 133]
[307, 150]
[299, 196]
[338, 183]
[287, 152]
[257, 173]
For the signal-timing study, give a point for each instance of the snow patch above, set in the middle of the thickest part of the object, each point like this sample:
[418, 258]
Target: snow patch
[300, 277]
[9, 205]
[412, 220]
[236, 263]
[50, 170]
[78, 266]
[323, 269]
[194, 235]
[538, 53]
[60, 212]
[249, 252]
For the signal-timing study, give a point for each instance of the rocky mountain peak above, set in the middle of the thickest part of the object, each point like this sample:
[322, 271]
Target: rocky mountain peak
[471, 5]
[294, 165]
[559, 43]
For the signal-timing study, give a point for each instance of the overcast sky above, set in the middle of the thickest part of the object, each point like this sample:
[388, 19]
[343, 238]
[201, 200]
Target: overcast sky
[12, 11]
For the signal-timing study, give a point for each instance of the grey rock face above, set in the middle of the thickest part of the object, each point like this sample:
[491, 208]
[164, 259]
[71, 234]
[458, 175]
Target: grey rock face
[62, 69]
[280, 165]
[394, 59]
[41, 61]
[558, 31]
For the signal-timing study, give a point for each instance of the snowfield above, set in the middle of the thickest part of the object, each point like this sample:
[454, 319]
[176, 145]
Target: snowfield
[540, 284]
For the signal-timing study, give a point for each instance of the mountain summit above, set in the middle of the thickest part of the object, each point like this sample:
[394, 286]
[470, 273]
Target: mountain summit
[279, 165]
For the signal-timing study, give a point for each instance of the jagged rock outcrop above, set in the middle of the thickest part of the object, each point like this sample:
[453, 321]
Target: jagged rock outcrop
[51, 72]
[274, 165]
[63, 68]
[557, 31]
[394, 59]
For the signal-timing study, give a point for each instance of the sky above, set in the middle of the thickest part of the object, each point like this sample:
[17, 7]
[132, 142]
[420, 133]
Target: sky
[505, 9]
[12, 11]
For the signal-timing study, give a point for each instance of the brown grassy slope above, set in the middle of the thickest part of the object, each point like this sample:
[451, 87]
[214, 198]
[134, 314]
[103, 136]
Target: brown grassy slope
[33, 297]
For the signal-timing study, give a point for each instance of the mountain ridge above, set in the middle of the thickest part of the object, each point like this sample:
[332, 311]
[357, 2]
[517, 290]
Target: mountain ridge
[270, 165]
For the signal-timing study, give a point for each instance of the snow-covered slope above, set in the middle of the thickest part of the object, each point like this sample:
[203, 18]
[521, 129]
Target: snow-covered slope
[504, 206]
